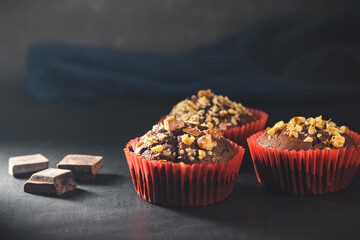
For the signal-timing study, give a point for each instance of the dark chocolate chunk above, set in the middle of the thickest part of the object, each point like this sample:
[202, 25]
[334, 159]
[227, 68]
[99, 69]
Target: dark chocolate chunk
[27, 164]
[52, 181]
[84, 167]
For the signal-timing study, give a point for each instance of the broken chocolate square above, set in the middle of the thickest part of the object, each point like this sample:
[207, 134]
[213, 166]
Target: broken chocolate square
[27, 164]
[51, 180]
[84, 167]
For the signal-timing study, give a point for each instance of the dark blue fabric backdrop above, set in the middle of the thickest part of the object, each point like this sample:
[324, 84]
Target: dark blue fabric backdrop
[298, 57]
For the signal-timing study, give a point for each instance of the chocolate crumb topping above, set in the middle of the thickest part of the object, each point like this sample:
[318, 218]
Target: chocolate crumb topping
[302, 133]
[187, 142]
[216, 111]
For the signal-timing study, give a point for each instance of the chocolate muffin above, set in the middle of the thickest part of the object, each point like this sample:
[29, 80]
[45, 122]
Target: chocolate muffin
[217, 111]
[306, 134]
[179, 141]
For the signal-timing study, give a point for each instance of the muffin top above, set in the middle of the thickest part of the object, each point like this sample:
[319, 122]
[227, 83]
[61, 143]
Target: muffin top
[306, 134]
[217, 111]
[187, 142]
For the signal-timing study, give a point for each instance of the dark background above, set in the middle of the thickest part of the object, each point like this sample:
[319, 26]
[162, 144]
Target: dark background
[109, 208]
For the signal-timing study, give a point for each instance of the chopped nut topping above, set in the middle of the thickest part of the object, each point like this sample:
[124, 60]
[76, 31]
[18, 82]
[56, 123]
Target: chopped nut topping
[157, 148]
[214, 133]
[296, 128]
[188, 150]
[192, 131]
[216, 120]
[330, 123]
[223, 113]
[319, 123]
[166, 153]
[192, 104]
[222, 126]
[277, 126]
[232, 111]
[187, 140]
[343, 129]
[206, 93]
[337, 141]
[233, 121]
[171, 123]
[311, 130]
[298, 120]
[332, 130]
[149, 140]
[293, 134]
[310, 121]
[206, 106]
[205, 142]
[203, 101]
[139, 144]
[191, 158]
[202, 154]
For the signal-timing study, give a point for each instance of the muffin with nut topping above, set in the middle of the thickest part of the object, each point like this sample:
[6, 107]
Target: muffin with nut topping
[179, 141]
[305, 134]
[306, 156]
[220, 113]
[183, 163]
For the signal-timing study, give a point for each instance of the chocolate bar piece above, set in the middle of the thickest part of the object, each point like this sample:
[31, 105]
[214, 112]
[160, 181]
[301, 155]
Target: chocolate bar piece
[84, 167]
[22, 165]
[51, 180]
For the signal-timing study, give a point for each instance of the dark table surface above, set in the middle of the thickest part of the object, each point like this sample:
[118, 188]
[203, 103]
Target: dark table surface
[109, 208]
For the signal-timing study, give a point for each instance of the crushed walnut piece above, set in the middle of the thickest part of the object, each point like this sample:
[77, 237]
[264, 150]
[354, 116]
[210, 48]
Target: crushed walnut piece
[192, 131]
[188, 140]
[201, 154]
[157, 148]
[214, 133]
[171, 123]
[337, 141]
[206, 93]
[206, 142]
[276, 127]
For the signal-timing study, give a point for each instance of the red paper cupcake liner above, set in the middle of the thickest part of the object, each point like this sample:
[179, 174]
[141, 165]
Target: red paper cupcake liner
[305, 172]
[168, 183]
[240, 134]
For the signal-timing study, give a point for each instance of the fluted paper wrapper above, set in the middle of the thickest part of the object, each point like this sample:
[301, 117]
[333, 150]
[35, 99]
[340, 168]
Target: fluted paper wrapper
[305, 172]
[168, 183]
[240, 134]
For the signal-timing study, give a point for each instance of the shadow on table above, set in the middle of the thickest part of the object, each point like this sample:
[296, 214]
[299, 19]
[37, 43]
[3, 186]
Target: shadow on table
[252, 206]
[103, 179]
[74, 195]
